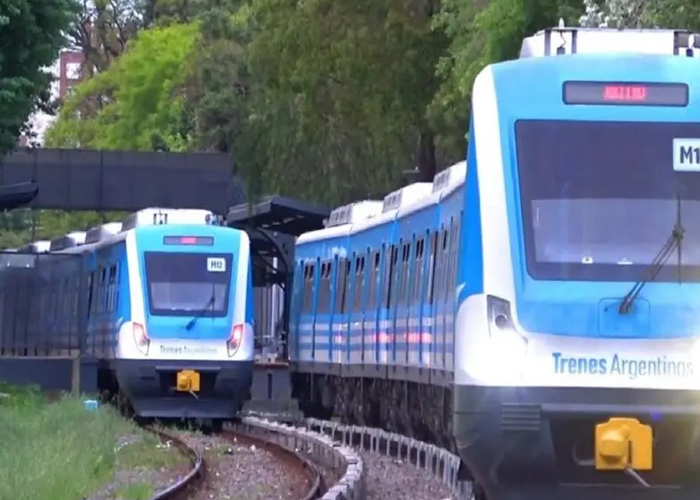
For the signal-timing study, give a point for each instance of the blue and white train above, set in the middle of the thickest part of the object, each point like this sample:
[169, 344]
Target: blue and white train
[169, 311]
[530, 295]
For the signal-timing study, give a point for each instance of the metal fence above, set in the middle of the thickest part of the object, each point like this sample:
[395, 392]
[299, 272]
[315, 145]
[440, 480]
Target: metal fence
[40, 300]
[269, 306]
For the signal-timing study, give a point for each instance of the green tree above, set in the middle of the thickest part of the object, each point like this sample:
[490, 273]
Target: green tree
[340, 94]
[482, 33]
[137, 102]
[32, 34]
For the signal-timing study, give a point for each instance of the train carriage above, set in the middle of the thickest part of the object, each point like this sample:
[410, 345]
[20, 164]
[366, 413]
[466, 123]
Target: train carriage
[166, 297]
[563, 272]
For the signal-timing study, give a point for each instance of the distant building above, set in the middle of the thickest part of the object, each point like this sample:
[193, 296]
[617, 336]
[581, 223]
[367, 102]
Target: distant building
[69, 71]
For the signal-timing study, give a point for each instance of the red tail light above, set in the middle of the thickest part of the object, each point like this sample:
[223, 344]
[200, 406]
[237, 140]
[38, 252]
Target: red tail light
[234, 340]
[140, 338]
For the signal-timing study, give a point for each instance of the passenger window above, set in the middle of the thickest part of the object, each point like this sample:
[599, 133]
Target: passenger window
[373, 281]
[417, 272]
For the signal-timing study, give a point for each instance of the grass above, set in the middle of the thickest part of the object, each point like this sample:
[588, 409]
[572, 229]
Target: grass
[61, 451]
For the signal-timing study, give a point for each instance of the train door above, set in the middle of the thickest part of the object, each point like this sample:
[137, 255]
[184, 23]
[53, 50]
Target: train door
[295, 334]
[439, 299]
[356, 333]
[400, 308]
[353, 326]
[369, 307]
[392, 302]
[306, 317]
[384, 299]
[427, 315]
[409, 268]
[452, 294]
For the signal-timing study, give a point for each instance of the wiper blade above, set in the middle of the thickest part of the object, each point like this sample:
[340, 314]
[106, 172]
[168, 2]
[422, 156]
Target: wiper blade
[200, 313]
[674, 242]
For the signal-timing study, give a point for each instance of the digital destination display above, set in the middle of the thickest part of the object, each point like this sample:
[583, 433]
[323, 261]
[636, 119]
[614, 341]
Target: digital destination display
[188, 240]
[631, 94]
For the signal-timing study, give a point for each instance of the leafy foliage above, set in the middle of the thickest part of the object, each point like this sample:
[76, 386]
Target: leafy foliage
[137, 103]
[32, 33]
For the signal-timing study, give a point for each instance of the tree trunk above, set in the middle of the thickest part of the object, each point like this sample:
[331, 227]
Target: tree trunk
[427, 166]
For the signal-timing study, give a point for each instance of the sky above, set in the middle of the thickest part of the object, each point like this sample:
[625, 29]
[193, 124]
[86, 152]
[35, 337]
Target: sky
[41, 121]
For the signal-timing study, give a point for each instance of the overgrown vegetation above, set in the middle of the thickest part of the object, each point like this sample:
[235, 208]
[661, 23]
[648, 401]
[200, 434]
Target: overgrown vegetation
[61, 451]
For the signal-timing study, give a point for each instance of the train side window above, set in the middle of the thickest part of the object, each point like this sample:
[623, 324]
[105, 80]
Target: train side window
[431, 266]
[417, 271]
[324, 289]
[90, 293]
[112, 287]
[321, 289]
[103, 290]
[359, 283]
[397, 268]
[405, 273]
[307, 292]
[454, 252]
[298, 290]
[389, 262]
[117, 281]
[447, 268]
[341, 296]
[339, 286]
[373, 284]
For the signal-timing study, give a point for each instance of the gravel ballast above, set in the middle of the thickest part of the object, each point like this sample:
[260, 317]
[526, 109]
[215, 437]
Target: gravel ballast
[237, 471]
[394, 479]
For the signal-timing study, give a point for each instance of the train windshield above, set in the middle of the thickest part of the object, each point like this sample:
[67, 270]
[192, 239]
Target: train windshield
[181, 284]
[600, 199]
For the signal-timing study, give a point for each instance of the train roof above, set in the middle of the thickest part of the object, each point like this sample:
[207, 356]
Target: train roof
[396, 204]
[562, 40]
[103, 234]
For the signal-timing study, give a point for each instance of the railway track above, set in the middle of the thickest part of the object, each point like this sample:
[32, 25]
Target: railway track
[316, 485]
[181, 489]
[283, 448]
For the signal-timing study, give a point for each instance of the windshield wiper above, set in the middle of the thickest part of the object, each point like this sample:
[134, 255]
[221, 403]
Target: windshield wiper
[674, 242]
[200, 313]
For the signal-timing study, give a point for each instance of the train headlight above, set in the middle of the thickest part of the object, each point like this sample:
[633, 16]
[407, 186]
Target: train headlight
[143, 343]
[235, 339]
[509, 342]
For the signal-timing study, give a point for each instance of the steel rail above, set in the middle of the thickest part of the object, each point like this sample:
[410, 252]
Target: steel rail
[193, 478]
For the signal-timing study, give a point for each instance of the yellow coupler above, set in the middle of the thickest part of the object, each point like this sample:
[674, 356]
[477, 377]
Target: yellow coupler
[622, 443]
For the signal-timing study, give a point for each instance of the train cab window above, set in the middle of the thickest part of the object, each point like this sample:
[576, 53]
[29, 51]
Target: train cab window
[183, 284]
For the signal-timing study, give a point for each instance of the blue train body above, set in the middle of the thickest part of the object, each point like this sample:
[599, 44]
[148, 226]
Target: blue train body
[169, 311]
[513, 281]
